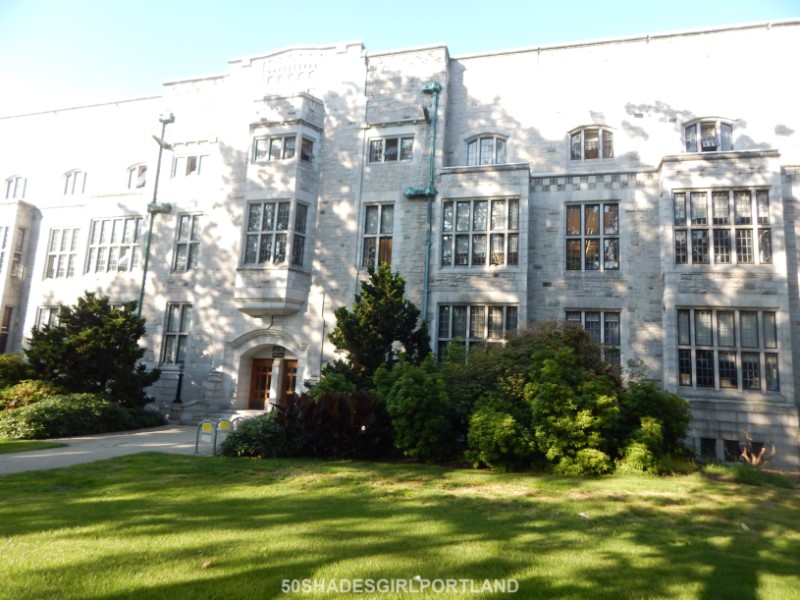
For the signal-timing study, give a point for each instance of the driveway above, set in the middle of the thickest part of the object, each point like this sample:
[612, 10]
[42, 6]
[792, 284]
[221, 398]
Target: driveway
[174, 439]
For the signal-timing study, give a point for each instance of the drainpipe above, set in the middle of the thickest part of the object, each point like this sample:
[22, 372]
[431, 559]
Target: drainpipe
[432, 88]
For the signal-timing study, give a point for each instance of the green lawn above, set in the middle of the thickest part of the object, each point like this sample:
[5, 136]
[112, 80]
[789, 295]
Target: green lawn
[7, 446]
[174, 527]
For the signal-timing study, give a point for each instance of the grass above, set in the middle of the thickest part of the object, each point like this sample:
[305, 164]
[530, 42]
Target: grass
[166, 526]
[7, 446]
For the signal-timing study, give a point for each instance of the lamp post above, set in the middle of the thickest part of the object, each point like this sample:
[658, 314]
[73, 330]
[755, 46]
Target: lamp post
[154, 207]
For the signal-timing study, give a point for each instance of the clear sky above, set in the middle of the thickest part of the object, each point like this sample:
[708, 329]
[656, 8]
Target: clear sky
[60, 53]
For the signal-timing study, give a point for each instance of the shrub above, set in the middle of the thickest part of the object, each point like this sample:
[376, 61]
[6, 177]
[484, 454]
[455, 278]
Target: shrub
[497, 440]
[343, 425]
[587, 461]
[13, 369]
[645, 399]
[421, 412]
[573, 408]
[331, 382]
[637, 458]
[259, 437]
[26, 392]
[71, 415]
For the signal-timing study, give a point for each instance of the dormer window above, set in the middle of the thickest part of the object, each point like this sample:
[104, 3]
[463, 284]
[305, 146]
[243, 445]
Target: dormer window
[15, 187]
[137, 177]
[486, 150]
[709, 135]
[74, 183]
[590, 143]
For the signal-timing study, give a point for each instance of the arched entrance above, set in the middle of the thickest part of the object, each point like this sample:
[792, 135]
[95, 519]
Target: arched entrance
[269, 368]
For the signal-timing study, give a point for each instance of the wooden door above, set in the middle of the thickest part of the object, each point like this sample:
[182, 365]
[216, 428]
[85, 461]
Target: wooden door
[260, 382]
[288, 379]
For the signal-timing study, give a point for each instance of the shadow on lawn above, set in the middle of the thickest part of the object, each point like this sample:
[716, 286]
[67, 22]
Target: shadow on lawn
[318, 520]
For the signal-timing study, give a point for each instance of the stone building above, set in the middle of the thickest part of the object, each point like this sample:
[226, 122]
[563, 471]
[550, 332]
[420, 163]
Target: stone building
[645, 187]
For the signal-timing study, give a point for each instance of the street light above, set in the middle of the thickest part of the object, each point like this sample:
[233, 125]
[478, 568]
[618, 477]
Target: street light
[154, 207]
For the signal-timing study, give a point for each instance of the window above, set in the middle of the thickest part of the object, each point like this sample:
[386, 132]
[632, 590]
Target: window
[469, 324]
[190, 165]
[61, 253]
[267, 233]
[5, 327]
[113, 245]
[391, 149]
[48, 315]
[274, 148]
[74, 183]
[3, 245]
[299, 234]
[15, 187]
[137, 177]
[480, 232]
[486, 150]
[176, 333]
[187, 243]
[307, 150]
[728, 349]
[17, 266]
[593, 237]
[708, 135]
[591, 143]
[604, 330]
[722, 227]
[378, 228]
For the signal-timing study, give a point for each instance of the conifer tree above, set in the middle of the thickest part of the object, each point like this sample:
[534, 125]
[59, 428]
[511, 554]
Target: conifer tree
[382, 326]
[94, 348]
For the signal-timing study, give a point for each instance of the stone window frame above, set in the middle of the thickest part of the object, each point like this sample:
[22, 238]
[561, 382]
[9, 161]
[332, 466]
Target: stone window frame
[708, 134]
[734, 349]
[391, 149]
[274, 147]
[187, 242]
[276, 235]
[580, 241]
[599, 324]
[471, 324]
[75, 182]
[62, 253]
[49, 315]
[481, 231]
[175, 340]
[15, 187]
[137, 176]
[591, 142]
[715, 226]
[113, 244]
[377, 234]
[487, 149]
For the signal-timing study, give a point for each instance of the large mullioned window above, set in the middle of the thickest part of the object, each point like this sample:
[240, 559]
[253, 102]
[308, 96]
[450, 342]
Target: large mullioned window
[378, 230]
[728, 349]
[469, 324]
[61, 253]
[480, 233]
[113, 245]
[268, 235]
[593, 237]
[176, 333]
[722, 226]
[603, 328]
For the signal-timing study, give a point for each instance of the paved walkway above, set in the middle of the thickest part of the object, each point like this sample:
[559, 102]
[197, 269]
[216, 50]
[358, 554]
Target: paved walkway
[175, 439]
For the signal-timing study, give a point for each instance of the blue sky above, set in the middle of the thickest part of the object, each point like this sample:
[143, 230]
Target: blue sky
[57, 53]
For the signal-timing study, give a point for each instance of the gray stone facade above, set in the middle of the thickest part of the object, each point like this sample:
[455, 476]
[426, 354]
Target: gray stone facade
[646, 187]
